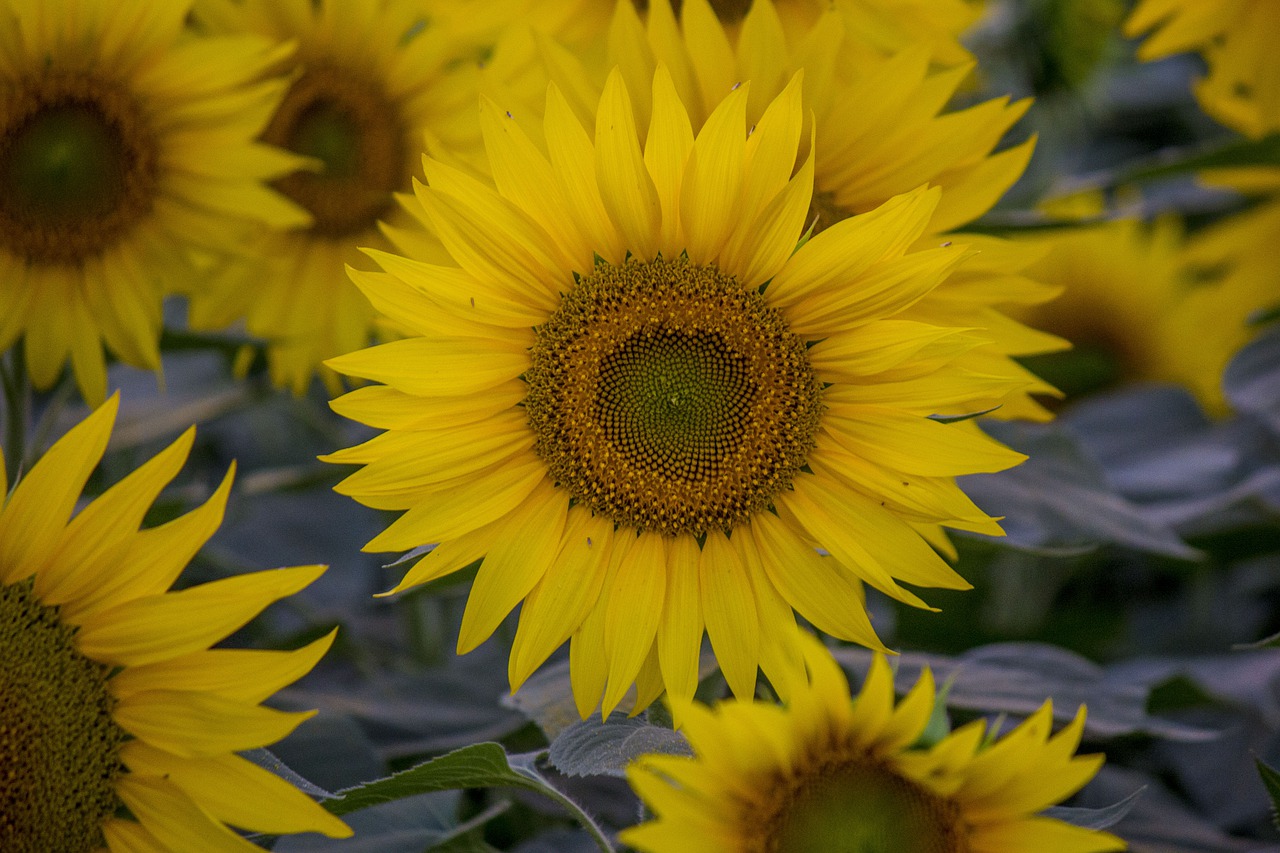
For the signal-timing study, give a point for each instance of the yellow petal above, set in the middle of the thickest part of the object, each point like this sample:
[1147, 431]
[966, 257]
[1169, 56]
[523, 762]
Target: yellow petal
[159, 627]
[200, 724]
[679, 637]
[243, 675]
[666, 151]
[635, 599]
[517, 560]
[235, 791]
[174, 820]
[712, 188]
[35, 517]
[626, 189]
[729, 608]
[568, 591]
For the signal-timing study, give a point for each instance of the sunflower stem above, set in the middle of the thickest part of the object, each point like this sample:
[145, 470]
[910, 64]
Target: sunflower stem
[17, 400]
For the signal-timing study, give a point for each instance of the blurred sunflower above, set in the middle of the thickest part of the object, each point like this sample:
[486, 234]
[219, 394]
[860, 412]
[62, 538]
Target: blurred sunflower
[644, 407]
[825, 774]
[373, 83]
[367, 82]
[125, 144]
[1237, 40]
[1135, 293]
[118, 725]
[882, 129]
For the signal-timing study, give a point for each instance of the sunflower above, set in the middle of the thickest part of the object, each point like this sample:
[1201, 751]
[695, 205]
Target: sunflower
[1130, 296]
[373, 81]
[825, 774]
[118, 723]
[882, 129]
[1236, 38]
[645, 408]
[125, 145]
[1135, 293]
[884, 26]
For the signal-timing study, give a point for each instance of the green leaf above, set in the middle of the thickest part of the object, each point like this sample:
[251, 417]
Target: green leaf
[1272, 642]
[482, 765]
[1271, 780]
[968, 416]
[594, 748]
[939, 725]
[1260, 152]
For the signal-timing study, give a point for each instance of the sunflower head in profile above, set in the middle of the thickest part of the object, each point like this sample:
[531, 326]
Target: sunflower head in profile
[1236, 39]
[827, 775]
[646, 409]
[125, 146]
[118, 724]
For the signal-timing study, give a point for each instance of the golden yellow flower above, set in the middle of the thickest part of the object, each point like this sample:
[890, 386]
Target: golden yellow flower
[884, 27]
[826, 774]
[882, 129]
[645, 407]
[1237, 39]
[373, 83]
[1139, 293]
[118, 724]
[125, 145]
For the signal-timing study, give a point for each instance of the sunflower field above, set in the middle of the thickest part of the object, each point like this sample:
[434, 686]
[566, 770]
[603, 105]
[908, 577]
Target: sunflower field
[775, 426]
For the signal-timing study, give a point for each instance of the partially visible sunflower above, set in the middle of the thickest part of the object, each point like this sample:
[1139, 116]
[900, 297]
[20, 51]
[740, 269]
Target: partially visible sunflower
[1136, 294]
[882, 128]
[826, 774]
[373, 83]
[645, 407]
[884, 26]
[118, 724]
[1237, 39]
[125, 145]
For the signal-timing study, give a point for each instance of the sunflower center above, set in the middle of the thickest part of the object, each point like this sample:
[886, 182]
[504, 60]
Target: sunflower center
[58, 742]
[862, 808]
[666, 397]
[347, 124]
[78, 168]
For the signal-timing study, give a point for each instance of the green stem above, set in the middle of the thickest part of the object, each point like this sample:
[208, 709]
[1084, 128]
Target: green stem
[17, 399]
[593, 829]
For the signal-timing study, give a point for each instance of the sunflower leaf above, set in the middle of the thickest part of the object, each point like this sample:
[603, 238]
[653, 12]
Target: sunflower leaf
[594, 748]
[1261, 152]
[1095, 818]
[481, 765]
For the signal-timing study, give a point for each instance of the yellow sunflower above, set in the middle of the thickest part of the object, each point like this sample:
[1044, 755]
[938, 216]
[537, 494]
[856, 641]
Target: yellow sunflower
[118, 724]
[645, 408]
[884, 26]
[1236, 38]
[826, 774]
[1137, 293]
[373, 82]
[882, 129]
[124, 145]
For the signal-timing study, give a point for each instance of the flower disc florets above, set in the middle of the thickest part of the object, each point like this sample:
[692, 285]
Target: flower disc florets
[668, 398]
